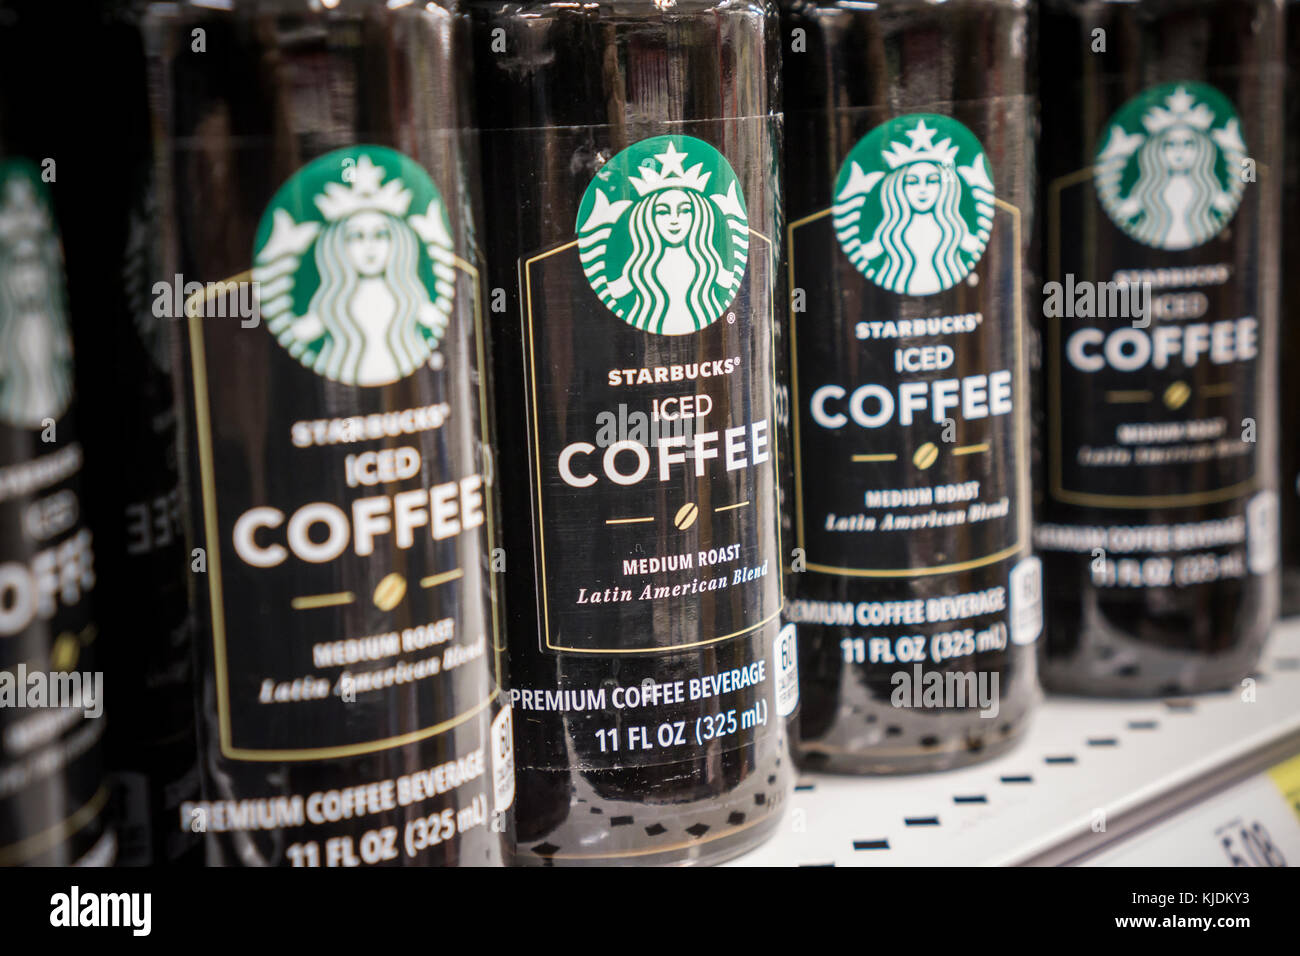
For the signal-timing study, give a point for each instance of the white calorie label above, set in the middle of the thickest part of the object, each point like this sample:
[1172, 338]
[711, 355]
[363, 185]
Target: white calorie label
[1262, 532]
[503, 760]
[787, 671]
[1026, 586]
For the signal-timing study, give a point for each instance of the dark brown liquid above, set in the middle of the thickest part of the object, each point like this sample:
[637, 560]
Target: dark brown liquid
[1159, 619]
[132, 492]
[563, 92]
[53, 790]
[276, 88]
[848, 71]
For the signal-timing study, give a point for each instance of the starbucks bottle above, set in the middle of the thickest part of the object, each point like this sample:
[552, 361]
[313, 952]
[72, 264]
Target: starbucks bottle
[1160, 179]
[53, 792]
[631, 152]
[1290, 311]
[918, 600]
[131, 492]
[320, 208]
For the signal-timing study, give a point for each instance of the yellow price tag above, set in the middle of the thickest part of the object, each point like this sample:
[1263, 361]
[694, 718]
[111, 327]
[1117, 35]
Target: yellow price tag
[1286, 776]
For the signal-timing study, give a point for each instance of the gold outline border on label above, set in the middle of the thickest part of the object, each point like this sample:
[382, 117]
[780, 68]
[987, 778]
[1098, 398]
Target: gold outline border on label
[21, 851]
[211, 533]
[1055, 461]
[1022, 448]
[525, 268]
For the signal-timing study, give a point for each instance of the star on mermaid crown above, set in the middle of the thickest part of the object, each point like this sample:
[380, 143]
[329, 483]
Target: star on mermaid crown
[652, 180]
[1181, 109]
[364, 193]
[922, 148]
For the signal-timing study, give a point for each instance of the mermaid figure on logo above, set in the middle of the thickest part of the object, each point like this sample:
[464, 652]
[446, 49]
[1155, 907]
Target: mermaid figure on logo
[371, 320]
[1176, 200]
[35, 348]
[679, 273]
[920, 241]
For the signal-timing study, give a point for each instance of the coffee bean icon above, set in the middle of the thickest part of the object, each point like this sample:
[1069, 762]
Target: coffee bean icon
[390, 591]
[64, 653]
[925, 456]
[686, 516]
[1177, 394]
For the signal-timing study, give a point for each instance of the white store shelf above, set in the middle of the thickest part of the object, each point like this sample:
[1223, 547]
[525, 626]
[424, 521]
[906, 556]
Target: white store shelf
[1252, 822]
[1141, 763]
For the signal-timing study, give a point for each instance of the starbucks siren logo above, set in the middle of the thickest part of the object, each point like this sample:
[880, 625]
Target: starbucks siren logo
[1168, 173]
[914, 215]
[662, 243]
[35, 347]
[373, 299]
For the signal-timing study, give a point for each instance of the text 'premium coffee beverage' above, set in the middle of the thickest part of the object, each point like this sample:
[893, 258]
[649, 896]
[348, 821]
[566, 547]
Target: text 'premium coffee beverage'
[918, 602]
[1160, 180]
[631, 154]
[320, 200]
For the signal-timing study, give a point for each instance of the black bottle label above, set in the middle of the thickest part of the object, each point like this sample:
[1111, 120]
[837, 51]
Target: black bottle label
[909, 385]
[910, 446]
[339, 397]
[1154, 320]
[52, 792]
[650, 364]
[654, 452]
[362, 546]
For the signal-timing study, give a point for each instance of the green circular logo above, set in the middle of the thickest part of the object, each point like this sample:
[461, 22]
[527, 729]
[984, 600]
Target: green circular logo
[914, 204]
[1168, 170]
[355, 266]
[663, 235]
[35, 346]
